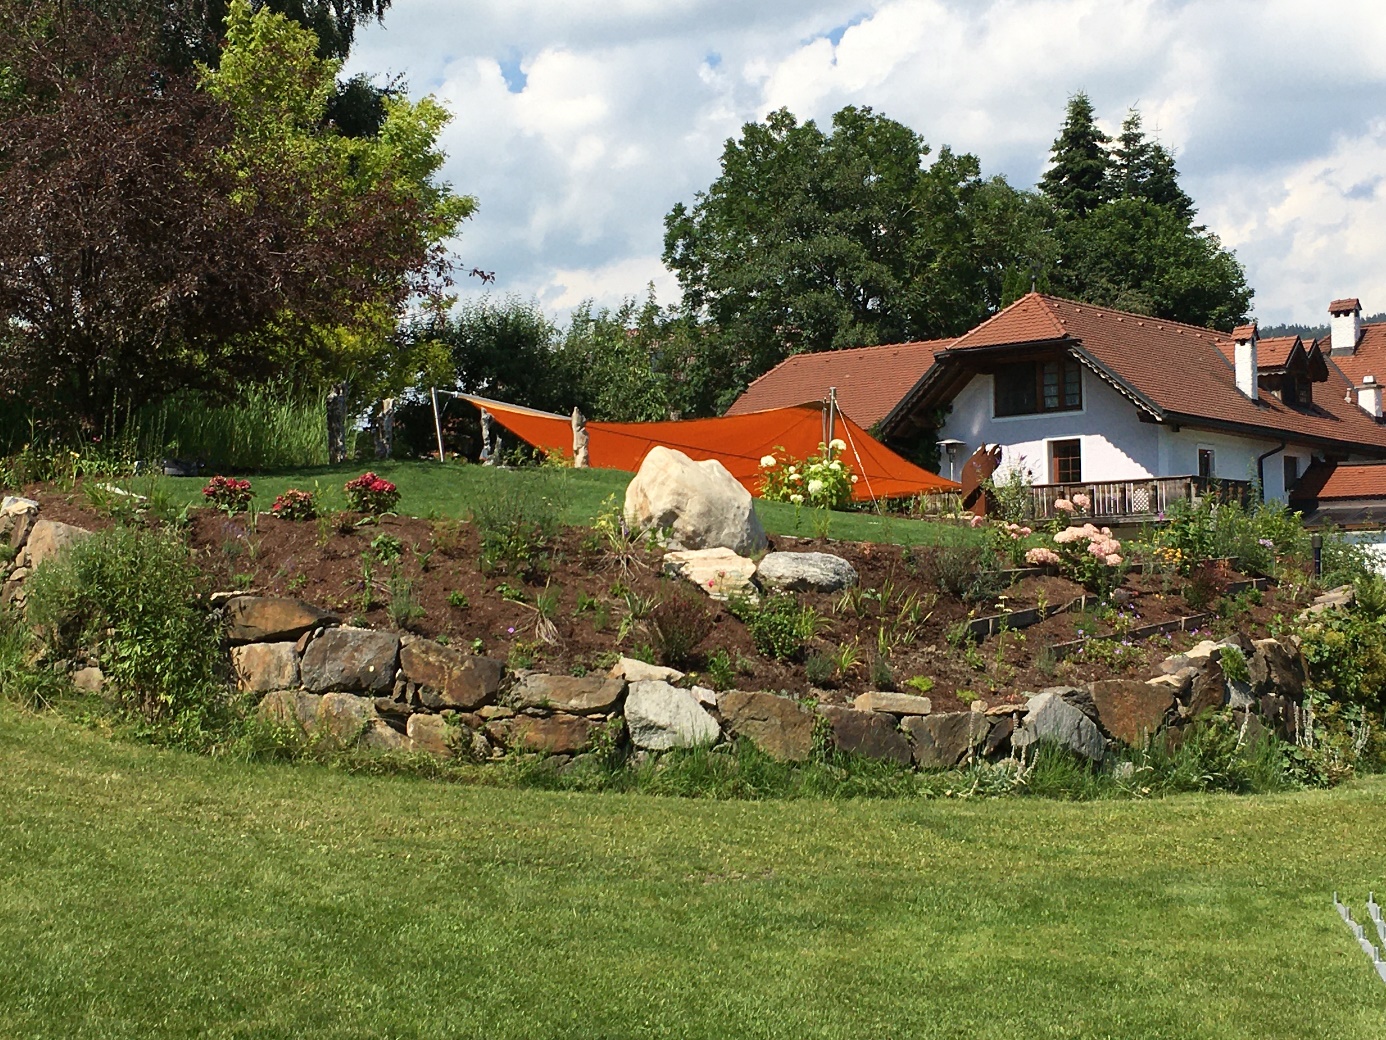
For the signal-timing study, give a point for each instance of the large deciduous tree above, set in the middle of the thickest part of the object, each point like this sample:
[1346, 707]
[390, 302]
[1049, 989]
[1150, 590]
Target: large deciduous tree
[810, 240]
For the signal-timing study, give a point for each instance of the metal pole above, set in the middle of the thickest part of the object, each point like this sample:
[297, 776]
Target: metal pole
[832, 424]
[437, 423]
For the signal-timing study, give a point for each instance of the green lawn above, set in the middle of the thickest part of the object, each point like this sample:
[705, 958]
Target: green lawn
[428, 489]
[148, 893]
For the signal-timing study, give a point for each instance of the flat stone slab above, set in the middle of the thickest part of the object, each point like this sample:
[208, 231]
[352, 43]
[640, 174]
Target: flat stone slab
[577, 695]
[272, 619]
[660, 716]
[894, 703]
[805, 572]
[261, 667]
[292, 708]
[449, 679]
[871, 734]
[720, 573]
[553, 734]
[432, 733]
[777, 725]
[1131, 711]
[634, 670]
[942, 741]
[352, 660]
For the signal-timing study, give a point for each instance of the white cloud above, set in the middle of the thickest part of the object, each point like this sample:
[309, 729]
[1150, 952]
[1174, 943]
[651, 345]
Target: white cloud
[1269, 104]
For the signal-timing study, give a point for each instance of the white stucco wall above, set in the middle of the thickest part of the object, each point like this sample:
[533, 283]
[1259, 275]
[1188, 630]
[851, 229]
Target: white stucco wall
[1116, 444]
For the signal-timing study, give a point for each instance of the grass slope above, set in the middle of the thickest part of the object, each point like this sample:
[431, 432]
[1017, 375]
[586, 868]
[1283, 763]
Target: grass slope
[147, 893]
[430, 489]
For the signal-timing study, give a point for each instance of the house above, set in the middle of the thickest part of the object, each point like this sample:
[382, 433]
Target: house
[869, 381]
[1139, 411]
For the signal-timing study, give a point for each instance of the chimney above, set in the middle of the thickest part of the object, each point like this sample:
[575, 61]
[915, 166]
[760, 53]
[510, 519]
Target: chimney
[1245, 360]
[1369, 396]
[1345, 324]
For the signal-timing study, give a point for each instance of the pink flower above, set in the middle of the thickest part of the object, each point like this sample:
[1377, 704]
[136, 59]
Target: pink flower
[1063, 504]
[1107, 531]
[1113, 560]
[1041, 557]
[1082, 501]
[977, 521]
[1026, 532]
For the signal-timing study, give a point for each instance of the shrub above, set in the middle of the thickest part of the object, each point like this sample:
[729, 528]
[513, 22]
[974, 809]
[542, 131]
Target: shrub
[133, 595]
[228, 494]
[954, 569]
[1346, 655]
[819, 480]
[295, 505]
[679, 622]
[1090, 556]
[780, 626]
[516, 522]
[371, 495]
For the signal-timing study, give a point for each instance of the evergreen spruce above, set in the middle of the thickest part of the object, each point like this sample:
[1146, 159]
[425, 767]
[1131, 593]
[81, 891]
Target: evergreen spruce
[1078, 180]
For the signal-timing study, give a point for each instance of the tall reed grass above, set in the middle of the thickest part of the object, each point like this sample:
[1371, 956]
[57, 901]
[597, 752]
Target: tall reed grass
[265, 428]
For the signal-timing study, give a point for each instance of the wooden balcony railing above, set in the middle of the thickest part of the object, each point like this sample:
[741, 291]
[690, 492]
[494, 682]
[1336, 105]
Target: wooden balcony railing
[1134, 500]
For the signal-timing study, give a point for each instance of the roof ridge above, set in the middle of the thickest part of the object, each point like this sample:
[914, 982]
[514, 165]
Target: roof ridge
[1176, 326]
[1030, 298]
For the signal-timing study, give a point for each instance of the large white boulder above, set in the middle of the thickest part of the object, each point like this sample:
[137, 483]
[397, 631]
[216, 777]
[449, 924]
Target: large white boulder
[700, 503]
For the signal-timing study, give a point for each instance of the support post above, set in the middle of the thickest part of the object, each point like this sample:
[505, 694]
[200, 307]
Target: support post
[438, 424]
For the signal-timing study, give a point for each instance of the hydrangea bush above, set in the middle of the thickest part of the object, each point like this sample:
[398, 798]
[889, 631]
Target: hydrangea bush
[228, 494]
[371, 494]
[819, 480]
[295, 505]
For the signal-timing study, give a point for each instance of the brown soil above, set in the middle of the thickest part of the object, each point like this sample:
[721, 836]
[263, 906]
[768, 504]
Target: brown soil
[494, 611]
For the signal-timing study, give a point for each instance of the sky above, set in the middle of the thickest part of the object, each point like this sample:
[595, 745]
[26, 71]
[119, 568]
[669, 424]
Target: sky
[577, 126]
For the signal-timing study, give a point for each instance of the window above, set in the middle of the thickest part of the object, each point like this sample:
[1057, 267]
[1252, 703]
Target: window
[1206, 468]
[1066, 461]
[1030, 387]
[1291, 471]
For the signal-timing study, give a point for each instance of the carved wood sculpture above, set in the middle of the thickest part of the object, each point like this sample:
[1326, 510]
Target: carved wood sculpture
[976, 472]
[580, 439]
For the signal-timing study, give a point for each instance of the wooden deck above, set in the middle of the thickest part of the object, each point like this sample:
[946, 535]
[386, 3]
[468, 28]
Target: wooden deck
[1134, 501]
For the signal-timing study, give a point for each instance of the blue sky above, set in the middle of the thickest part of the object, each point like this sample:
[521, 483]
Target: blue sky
[578, 126]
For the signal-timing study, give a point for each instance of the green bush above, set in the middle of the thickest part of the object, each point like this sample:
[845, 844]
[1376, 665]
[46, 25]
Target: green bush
[780, 625]
[678, 623]
[1346, 654]
[516, 521]
[133, 596]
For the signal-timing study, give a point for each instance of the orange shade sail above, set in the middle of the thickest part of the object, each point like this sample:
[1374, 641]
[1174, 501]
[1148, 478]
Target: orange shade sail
[737, 441]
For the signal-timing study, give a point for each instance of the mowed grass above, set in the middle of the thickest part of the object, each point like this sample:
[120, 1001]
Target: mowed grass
[150, 893]
[433, 489]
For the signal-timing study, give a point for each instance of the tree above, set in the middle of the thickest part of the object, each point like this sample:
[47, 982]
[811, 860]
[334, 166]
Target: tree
[1077, 181]
[814, 241]
[155, 234]
[1144, 169]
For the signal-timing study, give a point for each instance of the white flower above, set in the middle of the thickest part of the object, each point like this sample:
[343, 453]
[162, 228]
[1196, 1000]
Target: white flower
[834, 465]
[854, 478]
[793, 470]
[838, 444]
[798, 500]
[815, 487]
[767, 462]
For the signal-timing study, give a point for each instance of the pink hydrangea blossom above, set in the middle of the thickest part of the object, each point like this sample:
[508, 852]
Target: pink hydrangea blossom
[1113, 560]
[1063, 504]
[977, 521]
[1082, 501]
[1041, 557]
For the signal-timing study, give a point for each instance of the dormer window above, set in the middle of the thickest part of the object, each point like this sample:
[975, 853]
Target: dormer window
[1033, 387]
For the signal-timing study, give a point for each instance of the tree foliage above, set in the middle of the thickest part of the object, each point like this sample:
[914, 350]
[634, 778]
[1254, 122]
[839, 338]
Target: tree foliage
[811, 241]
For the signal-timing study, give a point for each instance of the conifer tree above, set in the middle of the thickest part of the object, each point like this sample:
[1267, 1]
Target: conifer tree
[1077, 181]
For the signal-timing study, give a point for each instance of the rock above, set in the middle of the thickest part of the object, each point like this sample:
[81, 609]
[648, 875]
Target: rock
[998, 741]
[343, 718]
[554, 734]
[632, 670]
[720, 573]
[1341, 598]
[14, 505]
[942, 741]
[1240, 696]
[496, 711]
[291, 708]
[1208, 692]
[17, 517]
[89, 680]
[47, 539]
[700, 503]
[1078, 696]
[432, 733]
[871, 734]
[397, 710]
[1280, 715]
[1273, 669]
[578, 695]
[449, 679]
[1179, 683]
[1130, 710]
[776, 725]
[894, 703]
[272, 619]
[805, 572]
[353, 660]
[705, 696]
[381, 736]
[660, 716]
[1052, 719]
[1251, 730]
[1203, 650]
[261, 667]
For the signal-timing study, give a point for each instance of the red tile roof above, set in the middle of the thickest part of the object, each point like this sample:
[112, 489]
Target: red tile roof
[1342, 480]
[1369, 359]
[1350, 303]
[1243, 332]
[1270, 353]
[1180, 372]
[869, 380]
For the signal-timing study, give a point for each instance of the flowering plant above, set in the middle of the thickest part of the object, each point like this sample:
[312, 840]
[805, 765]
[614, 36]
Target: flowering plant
[371, 494]
[228, 494]
[1007, 540]
[295, 505]
[1090, 556]
[820, 479]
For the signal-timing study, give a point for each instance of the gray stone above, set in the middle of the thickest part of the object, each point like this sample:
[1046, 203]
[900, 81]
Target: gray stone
[660, 716]
[1208, 692]
[381, 736]
[776, 725]
[447, 678]
[942, 741]
[272, 619]
[700, 504]
[47, 539]
[261, 667]
[805, 572]
[633, 670]
[1240, 696]
[1274, 669]
[721, 573]
[89, 680]
[894, 703]
[1340, 598]
[998, 741]
[577, 695]
[352, 660]
[705, 696]
[1052, 719]
[291, 708]
[343, 718]
[1129, 710]
[871, 734]
[432, 733]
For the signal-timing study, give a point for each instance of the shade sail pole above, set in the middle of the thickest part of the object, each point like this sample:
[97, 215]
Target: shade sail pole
[438, 424]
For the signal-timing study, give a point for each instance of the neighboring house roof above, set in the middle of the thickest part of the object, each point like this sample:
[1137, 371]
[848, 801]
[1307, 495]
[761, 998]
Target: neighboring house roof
[869, 380]
[1177, 373]
[1350, 303]
[1324, 481]
[1369, 359]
